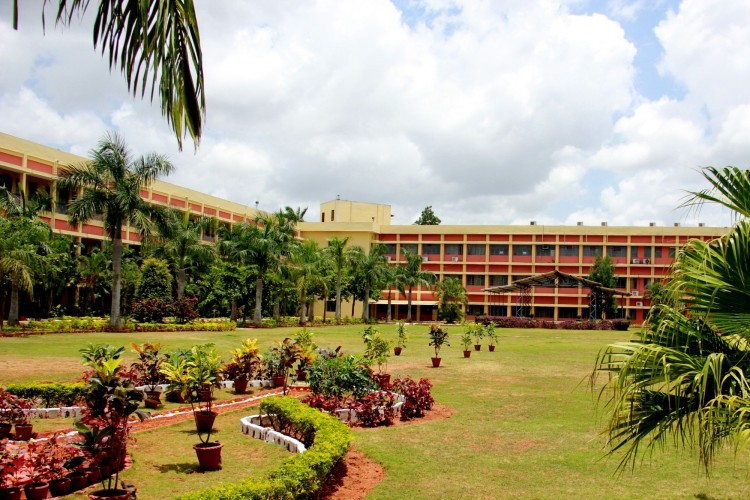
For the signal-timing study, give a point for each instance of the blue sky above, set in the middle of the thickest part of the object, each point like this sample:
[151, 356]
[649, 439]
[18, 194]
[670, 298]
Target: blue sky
[491, 112]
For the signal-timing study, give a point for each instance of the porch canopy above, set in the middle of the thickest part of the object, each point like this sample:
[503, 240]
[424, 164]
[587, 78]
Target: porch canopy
[556, 279]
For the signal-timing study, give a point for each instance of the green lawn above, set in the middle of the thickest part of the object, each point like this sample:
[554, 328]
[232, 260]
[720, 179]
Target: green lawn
[524, 422]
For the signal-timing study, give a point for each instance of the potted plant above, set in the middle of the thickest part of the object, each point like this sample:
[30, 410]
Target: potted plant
[148, 369]
[244, 365]
[64, 457]
[111, 399]
[198, 373]
[466, 340]
[489, 332]
[401, 338]
[19, 414]
[13, 461]
[175, 374]
[478, 332]
[438, 338]
[281, 358]
[377, 350]
[307, 352]
[6, 414]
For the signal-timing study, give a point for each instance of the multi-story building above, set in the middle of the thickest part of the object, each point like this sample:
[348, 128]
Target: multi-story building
[480, 256]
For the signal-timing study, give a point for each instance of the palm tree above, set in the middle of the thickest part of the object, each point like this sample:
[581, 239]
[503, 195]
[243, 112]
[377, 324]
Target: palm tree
[111, 184]
[304, 269]
[337, 251]
[93, 270]
[182, 246]
[411, 276]
[295, 215]
[685, 379]
[450, 293]
[150, 40]
[371, 272]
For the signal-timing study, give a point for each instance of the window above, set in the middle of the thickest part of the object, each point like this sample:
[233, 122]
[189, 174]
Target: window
[498, 310]
[498, 249]
[323, 217]
[63, 196]
[544, 312]
[634, 283]
[569, 250]
[408, 247]
[621, 282]
[616, 251]
[633, 252]
[475, 310]
[390, 248]
[454, 249]
[647, 252]
[475, 280]
[453, 276]
[521, 250]
[592, 251]
[545, 250]
[430, 249]
[498, 280]
[333, 215]
[672, 252]
[476, 249]
[657, 252]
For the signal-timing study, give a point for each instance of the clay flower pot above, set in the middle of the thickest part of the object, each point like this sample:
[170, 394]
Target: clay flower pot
[11, 493]
[436, 362]
[204, 420]
[23, 432]
[5, 430]
[109, 495]
[492, 348]
[278, 381]
[397, 351]
[78, 480]
[477, 347]
[467, 354]
[59, 487]
[209, 455]
[240, 385]
[36, 491]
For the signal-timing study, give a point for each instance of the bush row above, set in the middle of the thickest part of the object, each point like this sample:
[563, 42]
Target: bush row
[301, 475]
[51, 395]
[512, 322]
[292, 321]
[202, 326]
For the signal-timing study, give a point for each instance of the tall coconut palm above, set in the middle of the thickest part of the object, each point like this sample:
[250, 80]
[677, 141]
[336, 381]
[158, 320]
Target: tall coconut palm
[110, 185]
[337, 251]
[371, 272]
[181, 245]
[412, 276]
[304, 269]
[150, 40]
[685, 381]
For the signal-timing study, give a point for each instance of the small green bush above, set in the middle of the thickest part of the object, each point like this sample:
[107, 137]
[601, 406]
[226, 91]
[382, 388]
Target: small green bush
[301, 475]
[340, 376]
[50, 395]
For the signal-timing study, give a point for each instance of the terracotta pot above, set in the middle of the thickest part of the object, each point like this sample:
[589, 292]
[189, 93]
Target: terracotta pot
[278, 381]
[10, 493]
[397, 351]
[94, 474]
[477, 347]
[59, 487]
[204, 420]
[151, 404]
[301, 375]
[492, 348]
[5, 430]
[240, 385]
[436, 362]
[467, 354]
[23, 432]
[110, 494]
[209, 455]
[175, 397]
[155, 395]
[36, 491]
[78, 480]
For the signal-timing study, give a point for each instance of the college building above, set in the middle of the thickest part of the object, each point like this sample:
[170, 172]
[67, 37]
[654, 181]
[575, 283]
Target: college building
[481, 256]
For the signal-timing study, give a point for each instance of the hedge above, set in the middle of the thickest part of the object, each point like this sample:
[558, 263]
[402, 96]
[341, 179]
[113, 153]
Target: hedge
[302, 474]
[51, 395]
[513, 322]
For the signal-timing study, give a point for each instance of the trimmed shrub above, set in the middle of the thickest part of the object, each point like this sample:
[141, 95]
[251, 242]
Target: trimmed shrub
[417, 396]
[50, 395]
[514, 322]
[302, 475]
[340, 376]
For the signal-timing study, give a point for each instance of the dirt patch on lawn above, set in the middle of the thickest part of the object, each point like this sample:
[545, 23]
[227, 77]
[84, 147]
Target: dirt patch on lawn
[353, 478]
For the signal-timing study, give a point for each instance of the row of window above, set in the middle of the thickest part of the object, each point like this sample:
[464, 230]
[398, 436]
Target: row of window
[502, 280]
[645, 252]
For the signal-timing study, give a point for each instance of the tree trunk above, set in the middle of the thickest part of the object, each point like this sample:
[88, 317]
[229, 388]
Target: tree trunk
[233, 309]
[408, 307]
[311, 310]
[115, 320]
[354, 301]
[276, 310]
[258, 314]
[366, 306]
[76, 300]
[2, 305]
[338, 296]
[303, 311]
[13, 313]
[181, 280]
[389, 317]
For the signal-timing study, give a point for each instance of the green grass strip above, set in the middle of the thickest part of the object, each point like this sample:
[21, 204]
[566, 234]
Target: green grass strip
[302, 474]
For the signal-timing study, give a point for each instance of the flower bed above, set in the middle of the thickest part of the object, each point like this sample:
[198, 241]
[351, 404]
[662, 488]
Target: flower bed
[513, 322]
[325, 438]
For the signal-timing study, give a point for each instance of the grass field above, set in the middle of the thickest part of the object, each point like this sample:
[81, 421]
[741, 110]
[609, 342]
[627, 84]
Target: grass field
[524, 422]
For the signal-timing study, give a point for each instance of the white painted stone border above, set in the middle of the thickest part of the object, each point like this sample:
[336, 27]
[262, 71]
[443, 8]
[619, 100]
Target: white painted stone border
[257, 426]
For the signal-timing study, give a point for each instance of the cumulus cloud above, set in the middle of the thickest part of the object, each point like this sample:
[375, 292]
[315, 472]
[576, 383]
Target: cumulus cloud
[491, 112]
